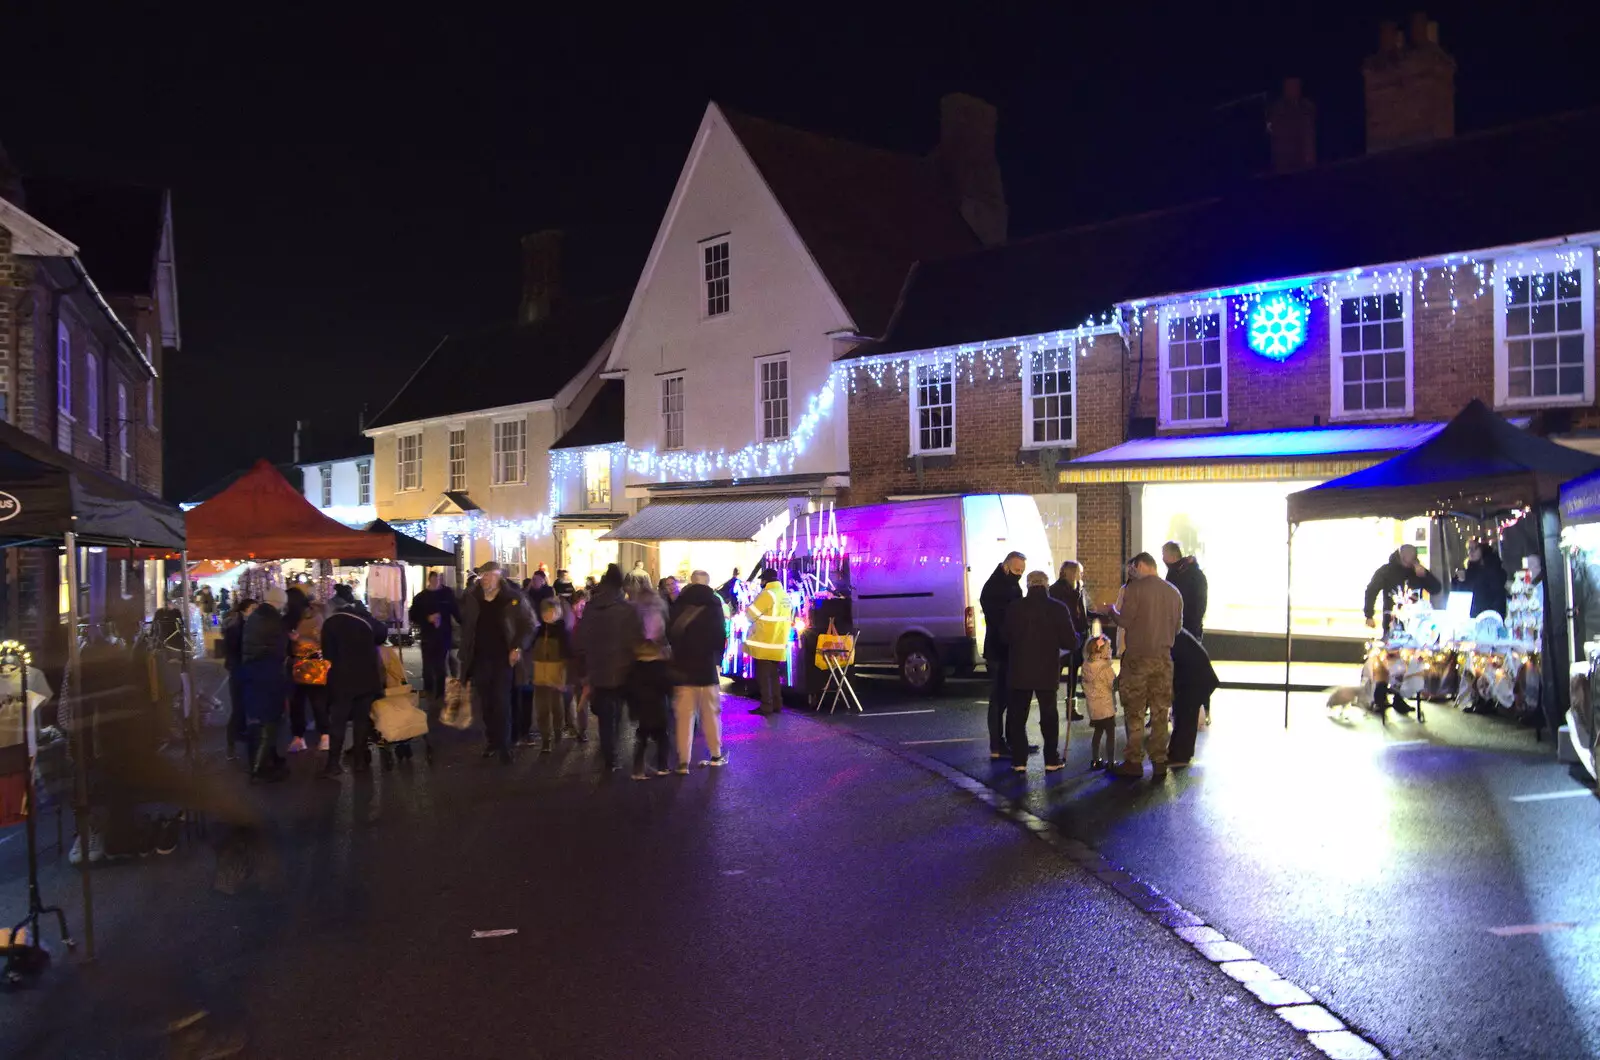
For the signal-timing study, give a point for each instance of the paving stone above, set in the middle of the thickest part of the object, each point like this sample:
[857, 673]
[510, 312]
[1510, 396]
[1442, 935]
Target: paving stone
[1248, 971]
[1199, 933]
[1310, 1018]
[1344, 1045]
[1278, 992]
[1223, 951]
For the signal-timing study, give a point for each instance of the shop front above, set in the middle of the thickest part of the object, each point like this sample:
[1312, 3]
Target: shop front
[581, 548]
[713, 535]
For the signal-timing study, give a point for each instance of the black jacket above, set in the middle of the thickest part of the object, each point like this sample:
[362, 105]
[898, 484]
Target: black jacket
[539, 596]
[1037, 630]
[563, 588]
[350, 641]
[430, 602]
[1077, 605]
[1485, 579]
[264, 636]
[698, 633]
[518, 616]
[1391, 578]
[1190, 581]
[233, 640]
[607, 636]
[998, 593]
[1193, 679]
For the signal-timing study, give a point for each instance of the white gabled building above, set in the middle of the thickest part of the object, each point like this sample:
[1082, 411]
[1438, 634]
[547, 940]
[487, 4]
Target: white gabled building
[780, 250]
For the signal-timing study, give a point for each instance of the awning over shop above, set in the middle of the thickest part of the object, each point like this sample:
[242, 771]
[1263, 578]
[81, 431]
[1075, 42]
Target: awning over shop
[1478, 464]
[1311, 452]
[741, 519]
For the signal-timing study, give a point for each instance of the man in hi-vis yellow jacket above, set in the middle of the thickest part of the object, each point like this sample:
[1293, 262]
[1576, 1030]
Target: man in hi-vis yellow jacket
[768, 640]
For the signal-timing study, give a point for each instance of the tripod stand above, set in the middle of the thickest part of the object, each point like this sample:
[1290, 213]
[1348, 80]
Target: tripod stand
[25, 959]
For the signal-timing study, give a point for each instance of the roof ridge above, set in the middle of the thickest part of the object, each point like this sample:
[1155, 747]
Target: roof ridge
[734, 114]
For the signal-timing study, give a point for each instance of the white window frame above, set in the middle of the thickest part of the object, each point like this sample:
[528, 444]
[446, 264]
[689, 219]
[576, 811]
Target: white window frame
[1367, 288]
[455, 461]
[1067, 354]
[762, 400]
[596, 499]
[666, 413]
[363, 482]
[916, 408]
[122, 427]
[501, 474]
[325, 486]
[704, 280]
[63, 369]
[1168, 314]
[404, 483]
[1582, 260]
[91, 391]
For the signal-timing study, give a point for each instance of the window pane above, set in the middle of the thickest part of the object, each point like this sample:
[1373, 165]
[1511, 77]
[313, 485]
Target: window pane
[1517, 321]
[1544, 382]
[1350, 311]
[1518, 384]
[1569, 316]
[1213, 351]
[1179, 408]
[1394, 335]
[1394, 365]
[1214, 407]
[1180, 383]
[1391, 307]
[1350, 338]
[1352, 369]
[1395, 395]
[1372, 367]
[1544, 352]
[1214, 379]
[1371, 336]
[1517, 290]
[1352, 396]
[1374, 395]
[1571, 380]
[1569, 285]
[1519, 354]
[1544, 318]
[1571, 349]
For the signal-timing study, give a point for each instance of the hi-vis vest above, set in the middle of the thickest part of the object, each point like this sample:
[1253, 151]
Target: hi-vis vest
[769, 634]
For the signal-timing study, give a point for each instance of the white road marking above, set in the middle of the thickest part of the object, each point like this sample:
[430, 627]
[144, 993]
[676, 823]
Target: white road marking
[1531, 929]
[1575, 793]
[1408, 743]
[956, 739]
[733, 872]
[494, 934]
[892, 713]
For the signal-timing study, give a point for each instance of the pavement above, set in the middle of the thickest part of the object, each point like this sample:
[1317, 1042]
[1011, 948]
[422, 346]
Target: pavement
[1433, 884]
[822, 896]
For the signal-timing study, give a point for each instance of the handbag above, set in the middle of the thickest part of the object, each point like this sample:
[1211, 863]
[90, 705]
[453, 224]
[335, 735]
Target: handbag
[834, 642]
[397, 717]
[457, 712]
[311, 670]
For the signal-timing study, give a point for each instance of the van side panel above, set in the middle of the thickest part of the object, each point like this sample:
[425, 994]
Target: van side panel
[905, 572]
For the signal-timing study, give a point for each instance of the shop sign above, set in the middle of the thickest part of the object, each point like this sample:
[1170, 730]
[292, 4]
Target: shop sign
[10, 507]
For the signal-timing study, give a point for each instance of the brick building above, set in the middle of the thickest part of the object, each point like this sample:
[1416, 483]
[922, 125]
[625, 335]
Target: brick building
[1227, 352]
[88, 305]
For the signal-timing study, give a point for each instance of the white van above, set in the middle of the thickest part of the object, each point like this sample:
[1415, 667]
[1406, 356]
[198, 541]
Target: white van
[915, 570]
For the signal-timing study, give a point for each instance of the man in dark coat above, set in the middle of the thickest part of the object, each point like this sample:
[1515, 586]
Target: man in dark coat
[350, 641]
[697, 630]
[496, 629]
[607, 637]
[264, 684]
[1003, 586]
[1068, 589]
[1193, 681]
[539, 590]
[1185, 575]
[1038, 629]
[1403, 571]
[432, 611]
[1485, 579]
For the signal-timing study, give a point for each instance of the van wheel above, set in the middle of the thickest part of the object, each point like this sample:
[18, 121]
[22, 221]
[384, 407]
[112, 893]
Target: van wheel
[921, 671]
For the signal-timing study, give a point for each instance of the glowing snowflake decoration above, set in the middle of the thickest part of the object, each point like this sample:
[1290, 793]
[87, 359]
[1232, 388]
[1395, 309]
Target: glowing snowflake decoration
[1277, 327]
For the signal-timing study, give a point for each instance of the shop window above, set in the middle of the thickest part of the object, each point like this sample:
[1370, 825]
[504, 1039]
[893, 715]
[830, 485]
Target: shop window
[1371, 359]
[597, 479]
[1544, 331]
[1049, 401]
[408, 462]
[458, 458]
[772, 397]
[364, 482]
[715, 263]
[510, 451]
[672, 412]
[1194, 370]
[933, 409]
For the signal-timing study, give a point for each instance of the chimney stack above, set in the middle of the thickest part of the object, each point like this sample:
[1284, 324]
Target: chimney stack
[541, 275]
[967, 158]
[1292, 129]
[1410, 87]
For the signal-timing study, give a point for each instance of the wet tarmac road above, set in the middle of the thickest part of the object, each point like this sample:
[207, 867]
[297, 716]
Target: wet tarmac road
[821, 897]
[1437, 884]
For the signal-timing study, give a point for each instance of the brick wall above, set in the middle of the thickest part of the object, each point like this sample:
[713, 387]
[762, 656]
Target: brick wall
[990, 456]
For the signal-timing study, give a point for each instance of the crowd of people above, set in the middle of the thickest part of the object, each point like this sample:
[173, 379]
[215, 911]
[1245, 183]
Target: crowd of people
[1039, 639]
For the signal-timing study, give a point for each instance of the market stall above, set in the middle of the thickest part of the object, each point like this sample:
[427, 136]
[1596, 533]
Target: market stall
[389, 585]
[1580, 546]
[1479, 468]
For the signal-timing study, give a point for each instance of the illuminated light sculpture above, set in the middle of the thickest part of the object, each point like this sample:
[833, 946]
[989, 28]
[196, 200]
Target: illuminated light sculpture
[1277, 327]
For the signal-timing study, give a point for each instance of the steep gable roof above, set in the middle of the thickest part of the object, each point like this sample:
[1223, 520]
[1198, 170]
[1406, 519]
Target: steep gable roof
[510, 365]
[864, 214]
[118, 227]
[601, 423]
[1444, 197]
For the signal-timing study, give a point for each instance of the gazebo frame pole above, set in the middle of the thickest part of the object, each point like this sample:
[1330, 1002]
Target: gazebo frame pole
[75, 735]
[1288, 617]
[191, 728]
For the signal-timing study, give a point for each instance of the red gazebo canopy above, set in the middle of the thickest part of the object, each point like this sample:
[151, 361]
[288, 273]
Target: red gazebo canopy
[262, 516]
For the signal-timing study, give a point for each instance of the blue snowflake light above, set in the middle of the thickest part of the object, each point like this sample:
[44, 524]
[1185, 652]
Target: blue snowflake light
[1277, 327]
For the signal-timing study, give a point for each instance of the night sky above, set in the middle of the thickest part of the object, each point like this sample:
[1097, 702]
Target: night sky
[347, 191]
